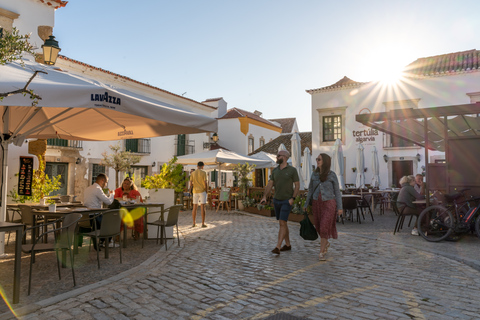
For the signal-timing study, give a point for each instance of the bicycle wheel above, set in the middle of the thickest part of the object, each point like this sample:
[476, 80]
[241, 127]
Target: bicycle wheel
[477, 226]
[435, 223]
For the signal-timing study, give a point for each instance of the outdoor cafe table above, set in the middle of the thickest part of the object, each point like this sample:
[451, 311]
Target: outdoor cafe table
[83, 210]
[44, 208]
[18, 228]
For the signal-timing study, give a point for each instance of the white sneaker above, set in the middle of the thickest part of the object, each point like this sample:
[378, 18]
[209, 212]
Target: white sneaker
[414, 232]
[110, 245]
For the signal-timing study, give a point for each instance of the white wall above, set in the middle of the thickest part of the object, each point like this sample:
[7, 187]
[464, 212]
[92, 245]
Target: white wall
[32, 14]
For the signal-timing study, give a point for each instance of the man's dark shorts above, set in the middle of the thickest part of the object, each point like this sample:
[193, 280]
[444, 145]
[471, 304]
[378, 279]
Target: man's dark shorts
[282, 209]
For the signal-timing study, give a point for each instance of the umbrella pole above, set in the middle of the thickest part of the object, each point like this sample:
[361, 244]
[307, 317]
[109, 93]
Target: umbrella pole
[3, 210]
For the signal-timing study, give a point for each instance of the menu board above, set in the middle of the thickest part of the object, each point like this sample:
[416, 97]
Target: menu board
[25, 176]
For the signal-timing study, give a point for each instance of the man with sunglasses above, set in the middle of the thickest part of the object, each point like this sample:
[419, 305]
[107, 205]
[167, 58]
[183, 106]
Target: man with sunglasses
[286, 182]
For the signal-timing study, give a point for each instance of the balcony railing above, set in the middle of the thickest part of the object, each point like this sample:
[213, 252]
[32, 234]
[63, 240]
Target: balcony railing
[138, 145]
[65, 143]
[184, 147]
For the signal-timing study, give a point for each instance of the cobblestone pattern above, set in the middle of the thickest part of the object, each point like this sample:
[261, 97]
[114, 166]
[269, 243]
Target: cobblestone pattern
[226, 271]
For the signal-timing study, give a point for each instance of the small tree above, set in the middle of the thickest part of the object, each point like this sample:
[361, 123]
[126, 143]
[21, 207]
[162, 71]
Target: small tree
[119, 160]
[13, 46]
[243, 171]
[171, 176]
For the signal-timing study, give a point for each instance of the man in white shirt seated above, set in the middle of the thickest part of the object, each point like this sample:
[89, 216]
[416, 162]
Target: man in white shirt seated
[94, 197]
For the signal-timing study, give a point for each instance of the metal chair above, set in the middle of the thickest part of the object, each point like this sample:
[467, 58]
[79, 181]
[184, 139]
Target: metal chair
[399, 208]
[365, 203]
[64, 238]
[172, 220]
[28, 219]
[110, 228]
[13, 212]
[350, 204]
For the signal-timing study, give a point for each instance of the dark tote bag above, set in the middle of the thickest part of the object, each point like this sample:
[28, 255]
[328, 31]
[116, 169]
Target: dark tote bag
[307, 229]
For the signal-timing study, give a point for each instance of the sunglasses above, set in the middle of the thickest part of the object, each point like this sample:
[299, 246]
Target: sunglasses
[319, 159]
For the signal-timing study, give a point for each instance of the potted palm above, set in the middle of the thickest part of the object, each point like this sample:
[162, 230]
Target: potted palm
[243, 171]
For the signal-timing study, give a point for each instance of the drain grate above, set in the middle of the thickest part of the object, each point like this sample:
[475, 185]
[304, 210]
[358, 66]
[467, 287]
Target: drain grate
[283, 316]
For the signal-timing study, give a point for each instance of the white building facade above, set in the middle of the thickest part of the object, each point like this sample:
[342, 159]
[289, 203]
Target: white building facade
[430, 82]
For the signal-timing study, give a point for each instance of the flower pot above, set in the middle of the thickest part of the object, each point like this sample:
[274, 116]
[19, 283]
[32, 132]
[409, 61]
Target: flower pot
[240, 205]
[52, 207]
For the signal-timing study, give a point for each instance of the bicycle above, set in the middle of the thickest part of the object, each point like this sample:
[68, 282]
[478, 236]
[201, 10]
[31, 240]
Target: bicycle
[438, 222]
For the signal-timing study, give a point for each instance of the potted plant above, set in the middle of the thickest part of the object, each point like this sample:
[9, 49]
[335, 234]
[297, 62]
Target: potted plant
[52, 205]
[171, 177]
[243, 171]
[354, 169]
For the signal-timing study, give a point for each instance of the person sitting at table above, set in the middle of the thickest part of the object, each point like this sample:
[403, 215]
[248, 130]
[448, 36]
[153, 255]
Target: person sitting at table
[419, 185]
[406, 196]
[94, 197]
[130, 191]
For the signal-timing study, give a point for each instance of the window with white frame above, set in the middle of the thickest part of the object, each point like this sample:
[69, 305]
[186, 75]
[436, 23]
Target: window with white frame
[262, 142]
[331, 125]
[251, 145]
[332, 128]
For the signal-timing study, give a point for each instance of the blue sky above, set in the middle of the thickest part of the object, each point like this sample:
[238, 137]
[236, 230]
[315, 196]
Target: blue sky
[261, 54]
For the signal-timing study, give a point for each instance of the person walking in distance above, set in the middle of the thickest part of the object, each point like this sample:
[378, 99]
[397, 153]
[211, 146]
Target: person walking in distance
[286, 182]
[198, 180]
[326, 199]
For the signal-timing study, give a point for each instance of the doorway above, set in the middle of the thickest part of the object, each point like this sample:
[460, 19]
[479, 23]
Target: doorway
[400, 169]
[53, 169]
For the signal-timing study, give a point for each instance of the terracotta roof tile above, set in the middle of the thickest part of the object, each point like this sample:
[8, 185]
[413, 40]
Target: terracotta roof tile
[239, 113]
[343, 83]
[286, 139]
[285, 123]
[444, 64]
[54, 3]
[127, 78]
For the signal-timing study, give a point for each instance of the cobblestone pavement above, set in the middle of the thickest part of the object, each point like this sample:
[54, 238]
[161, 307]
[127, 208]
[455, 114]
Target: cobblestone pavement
[226, 271]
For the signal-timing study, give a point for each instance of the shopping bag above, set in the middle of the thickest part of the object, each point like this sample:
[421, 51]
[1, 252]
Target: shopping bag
[307, 229]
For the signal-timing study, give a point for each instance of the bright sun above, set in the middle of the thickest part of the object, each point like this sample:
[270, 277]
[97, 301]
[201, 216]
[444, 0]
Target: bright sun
[385, 64]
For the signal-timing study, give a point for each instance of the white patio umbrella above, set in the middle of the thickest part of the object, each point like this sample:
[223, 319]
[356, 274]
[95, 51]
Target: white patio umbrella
[74, 107]
[265, 156]
[375, 169]
[360, 182]
[268, 168]
[282, 147]
[223, 159]
[297, 157]
[307, 166]
[337, 163]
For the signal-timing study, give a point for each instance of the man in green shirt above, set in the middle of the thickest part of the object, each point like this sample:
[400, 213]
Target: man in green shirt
[286, 182]
[198, 180]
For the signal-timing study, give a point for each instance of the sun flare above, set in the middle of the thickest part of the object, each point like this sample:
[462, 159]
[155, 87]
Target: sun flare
[385, 65]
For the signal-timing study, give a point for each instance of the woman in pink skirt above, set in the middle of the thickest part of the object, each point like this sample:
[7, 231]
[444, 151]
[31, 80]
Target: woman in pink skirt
[326, 202]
